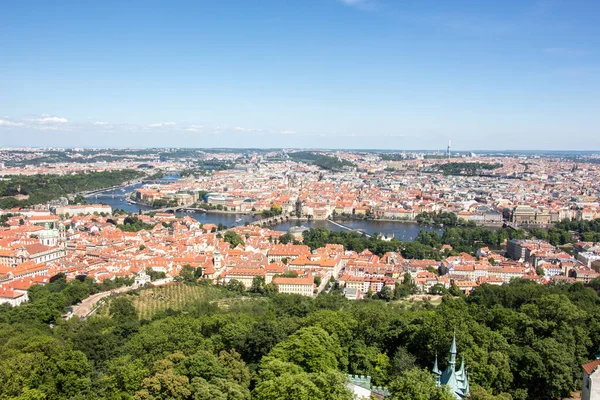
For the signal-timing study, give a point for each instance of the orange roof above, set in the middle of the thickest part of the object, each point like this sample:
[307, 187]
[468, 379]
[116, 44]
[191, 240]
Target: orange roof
[36, 248]
[43, 218]
[306, 280]
[10, 294]
[246, 272]
[591, 366]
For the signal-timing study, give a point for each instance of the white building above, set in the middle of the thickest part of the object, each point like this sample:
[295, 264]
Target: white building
[84, 209]
[304, 286]
[142, 279]
[13, 297]
[590, 389]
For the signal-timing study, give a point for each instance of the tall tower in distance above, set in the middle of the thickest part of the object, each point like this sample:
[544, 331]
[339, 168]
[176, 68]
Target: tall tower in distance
[448, 150]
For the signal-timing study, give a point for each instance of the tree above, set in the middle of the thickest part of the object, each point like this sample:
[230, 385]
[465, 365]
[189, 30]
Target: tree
[386, 293]
[271, 289]
[438, 289]
[287, 387]
[317, 281]
[454, 290]
[311, 348]
[235, 286]
[125, 315]
[40, 363]
[286, 238]
[402, 361]
[165, 384]
[79, 199]
[188, 273]
[418, 384]
[479, 393]
[233, 239]
[155, 275]
[282, 381]
[258, 284]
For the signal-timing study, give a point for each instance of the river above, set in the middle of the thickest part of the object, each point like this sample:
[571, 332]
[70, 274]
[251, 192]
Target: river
[404, 231]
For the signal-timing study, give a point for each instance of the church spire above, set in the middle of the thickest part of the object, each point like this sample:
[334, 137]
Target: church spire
[436, 370]
[453, 351]
[456, 380]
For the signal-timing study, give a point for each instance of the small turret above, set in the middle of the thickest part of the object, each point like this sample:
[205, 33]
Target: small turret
[436, 371]
[453, 351]
[461, 370]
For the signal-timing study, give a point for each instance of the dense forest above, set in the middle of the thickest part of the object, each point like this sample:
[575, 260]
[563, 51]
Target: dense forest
[563, 232]
[519, 341]
[391, 157]
[467, 168]
[43, 188]
[437, 218]
[321, 160]
[567, 231]
[203, 167]
[426, 244]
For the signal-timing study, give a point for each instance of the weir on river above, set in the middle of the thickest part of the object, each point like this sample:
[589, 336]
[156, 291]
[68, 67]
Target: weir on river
[348, 228]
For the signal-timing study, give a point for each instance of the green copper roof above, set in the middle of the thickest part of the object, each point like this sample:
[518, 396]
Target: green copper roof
[453, 346]
[457, 381]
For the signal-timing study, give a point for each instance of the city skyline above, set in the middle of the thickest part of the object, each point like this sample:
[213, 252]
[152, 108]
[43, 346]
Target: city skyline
[351, 74]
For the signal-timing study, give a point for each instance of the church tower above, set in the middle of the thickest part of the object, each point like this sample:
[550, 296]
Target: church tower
[62, 233]
[457, 381]
[298, 207]
[217, 258]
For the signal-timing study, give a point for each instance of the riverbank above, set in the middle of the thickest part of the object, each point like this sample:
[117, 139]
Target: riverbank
[111, 188]
[412, 221]
[402, 230]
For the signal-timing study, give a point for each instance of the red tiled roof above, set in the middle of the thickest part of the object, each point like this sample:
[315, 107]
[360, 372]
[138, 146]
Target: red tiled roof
[591, 366]
[280, 280]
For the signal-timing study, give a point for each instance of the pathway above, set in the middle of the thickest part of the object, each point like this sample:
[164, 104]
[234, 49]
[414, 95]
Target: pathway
[88, 305]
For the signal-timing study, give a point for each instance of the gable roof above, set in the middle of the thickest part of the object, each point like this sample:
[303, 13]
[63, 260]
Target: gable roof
[590, 366]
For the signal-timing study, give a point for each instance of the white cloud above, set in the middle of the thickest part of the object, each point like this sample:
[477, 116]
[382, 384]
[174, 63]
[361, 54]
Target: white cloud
[288, 132]
[240, 129]
[194, 128]
[100, 123]
[162, 124]
[47, 119]
[4, 122]
[44, 122]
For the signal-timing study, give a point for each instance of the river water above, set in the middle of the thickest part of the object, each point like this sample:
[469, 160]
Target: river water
[403, 231]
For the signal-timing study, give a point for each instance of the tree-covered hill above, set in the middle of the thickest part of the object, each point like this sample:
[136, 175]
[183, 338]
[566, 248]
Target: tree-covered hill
[321, 160]
[467, 168]
[519, 341]
[43, 188]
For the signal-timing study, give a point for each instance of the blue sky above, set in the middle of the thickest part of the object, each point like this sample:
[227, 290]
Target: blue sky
[389, 74]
